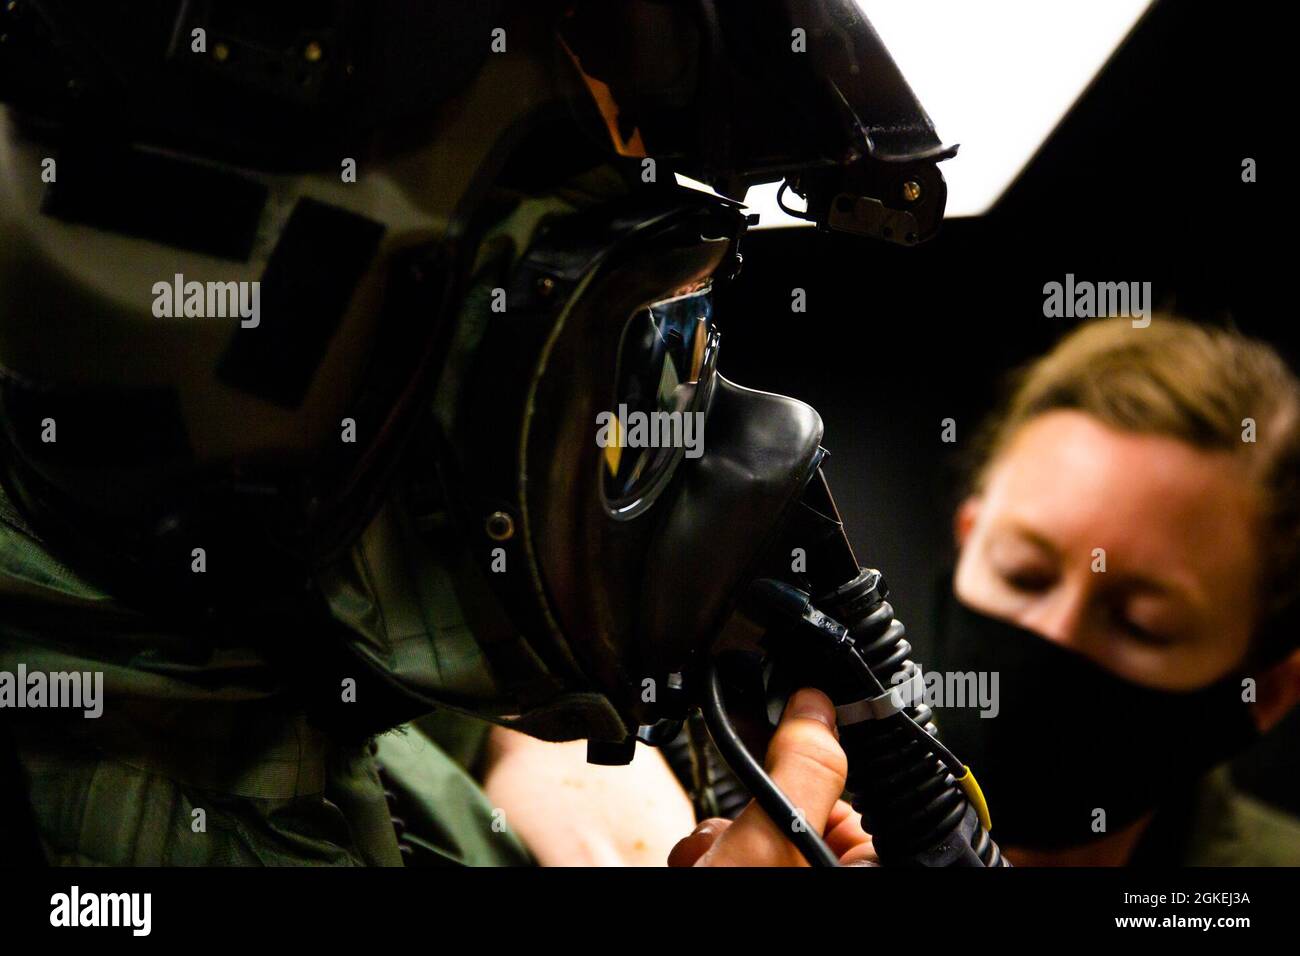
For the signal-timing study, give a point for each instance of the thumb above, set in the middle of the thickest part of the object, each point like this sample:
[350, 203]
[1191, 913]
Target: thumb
[805, 761]
[690, 848]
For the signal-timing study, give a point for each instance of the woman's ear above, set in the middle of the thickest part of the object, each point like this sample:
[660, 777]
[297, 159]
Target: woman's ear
[964, 520]
[1278, 691]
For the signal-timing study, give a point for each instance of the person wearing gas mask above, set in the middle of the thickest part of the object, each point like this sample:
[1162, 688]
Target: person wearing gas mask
[325, 336]
[1128, 566]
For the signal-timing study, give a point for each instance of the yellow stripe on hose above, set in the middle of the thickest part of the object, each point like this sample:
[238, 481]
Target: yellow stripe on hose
[971, 787]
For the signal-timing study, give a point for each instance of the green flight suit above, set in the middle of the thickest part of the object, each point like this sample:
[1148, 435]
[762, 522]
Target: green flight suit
[1218, 824]
[198, 757]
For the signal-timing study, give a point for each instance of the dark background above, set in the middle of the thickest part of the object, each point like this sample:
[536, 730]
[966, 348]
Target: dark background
[1140, 182]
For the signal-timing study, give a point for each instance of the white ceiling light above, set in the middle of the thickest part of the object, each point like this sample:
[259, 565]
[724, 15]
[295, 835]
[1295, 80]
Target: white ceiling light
[996, 76]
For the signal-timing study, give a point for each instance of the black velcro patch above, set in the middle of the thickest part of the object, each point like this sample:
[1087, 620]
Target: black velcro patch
[96, 426]
[314, 270]
[148, 196]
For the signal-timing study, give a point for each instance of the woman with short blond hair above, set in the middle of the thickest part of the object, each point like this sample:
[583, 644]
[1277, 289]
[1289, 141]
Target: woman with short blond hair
[1129, 562]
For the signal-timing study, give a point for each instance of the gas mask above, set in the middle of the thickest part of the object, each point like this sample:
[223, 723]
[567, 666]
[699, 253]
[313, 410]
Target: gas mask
[475, 391]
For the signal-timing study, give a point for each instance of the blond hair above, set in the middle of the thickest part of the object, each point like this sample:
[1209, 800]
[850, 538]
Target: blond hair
[1205, 386]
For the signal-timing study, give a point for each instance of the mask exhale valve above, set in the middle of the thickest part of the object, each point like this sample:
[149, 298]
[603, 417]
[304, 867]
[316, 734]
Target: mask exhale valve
[920, 803]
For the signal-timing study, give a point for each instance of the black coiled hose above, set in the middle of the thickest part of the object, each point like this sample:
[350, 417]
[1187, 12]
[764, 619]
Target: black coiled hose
[909, 801]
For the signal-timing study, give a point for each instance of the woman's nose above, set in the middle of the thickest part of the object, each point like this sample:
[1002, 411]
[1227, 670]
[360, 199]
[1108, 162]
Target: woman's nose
[1062, 616]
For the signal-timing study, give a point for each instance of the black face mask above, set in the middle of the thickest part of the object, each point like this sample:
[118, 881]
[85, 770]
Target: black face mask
[1069, 737]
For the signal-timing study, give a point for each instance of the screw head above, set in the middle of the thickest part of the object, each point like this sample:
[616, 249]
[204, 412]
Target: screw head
[911, 190]
[312, 52]
[499, 526]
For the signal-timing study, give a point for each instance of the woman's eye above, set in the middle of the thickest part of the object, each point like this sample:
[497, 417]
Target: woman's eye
[1028, 580]
[1143, 635]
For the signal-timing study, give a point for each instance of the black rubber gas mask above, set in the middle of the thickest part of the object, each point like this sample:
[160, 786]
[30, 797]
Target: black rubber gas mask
[614, 488]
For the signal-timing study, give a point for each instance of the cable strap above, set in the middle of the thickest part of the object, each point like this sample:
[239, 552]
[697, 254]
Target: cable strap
[897, 698]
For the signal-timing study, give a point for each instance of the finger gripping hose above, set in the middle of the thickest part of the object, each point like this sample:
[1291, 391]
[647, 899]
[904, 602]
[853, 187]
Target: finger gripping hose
[769, 796]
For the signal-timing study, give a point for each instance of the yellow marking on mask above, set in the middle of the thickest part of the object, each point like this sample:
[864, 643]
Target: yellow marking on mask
[614, 450]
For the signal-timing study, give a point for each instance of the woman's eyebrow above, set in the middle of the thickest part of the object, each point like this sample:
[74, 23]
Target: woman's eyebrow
[1025, 533]
[1159, 584]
